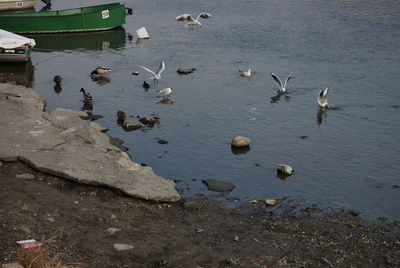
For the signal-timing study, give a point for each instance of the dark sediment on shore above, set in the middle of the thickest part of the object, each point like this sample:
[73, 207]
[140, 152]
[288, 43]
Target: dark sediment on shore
[197, 232]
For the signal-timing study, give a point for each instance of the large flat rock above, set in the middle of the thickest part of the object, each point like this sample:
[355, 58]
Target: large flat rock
[61, 143]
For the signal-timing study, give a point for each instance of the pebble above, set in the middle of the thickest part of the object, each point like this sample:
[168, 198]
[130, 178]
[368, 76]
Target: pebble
[25, 176]
[240, 141]
[270, 202]
[121, 247]
[113, 230]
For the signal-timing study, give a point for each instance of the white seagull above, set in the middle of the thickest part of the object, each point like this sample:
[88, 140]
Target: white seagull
[282, 88]
[166, 91]
[323, 98]
[189, 19]
[244, 73]
[157, 75]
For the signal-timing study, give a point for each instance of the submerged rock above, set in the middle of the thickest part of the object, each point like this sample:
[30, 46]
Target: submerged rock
[240, 141]
[219, 186]
[149, 121]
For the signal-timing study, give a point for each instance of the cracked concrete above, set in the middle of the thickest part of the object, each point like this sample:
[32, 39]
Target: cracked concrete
[61, 143]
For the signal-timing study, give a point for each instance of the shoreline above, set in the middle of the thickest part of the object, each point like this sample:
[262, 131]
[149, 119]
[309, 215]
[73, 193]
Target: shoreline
[86, 222]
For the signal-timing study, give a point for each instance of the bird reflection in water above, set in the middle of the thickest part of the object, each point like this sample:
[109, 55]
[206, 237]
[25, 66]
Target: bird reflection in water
[166, 101]
[278, 96]
[101, 80]
[321, 115]
[87, 105]
[57, 88]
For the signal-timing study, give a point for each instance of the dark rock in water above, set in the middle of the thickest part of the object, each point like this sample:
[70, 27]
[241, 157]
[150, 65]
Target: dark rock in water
[121, 117]
[128, 125]
[117, 143]
[185, 71]
[161, 141]
[148, 121]
[219, 186]
[94, 117]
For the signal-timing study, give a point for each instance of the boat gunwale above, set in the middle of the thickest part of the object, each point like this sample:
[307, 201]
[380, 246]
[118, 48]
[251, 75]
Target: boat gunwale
[28, 15]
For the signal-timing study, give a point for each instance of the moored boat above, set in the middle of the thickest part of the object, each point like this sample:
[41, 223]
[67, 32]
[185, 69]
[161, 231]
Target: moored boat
[92, 18]
[16, 4]
[14, 47]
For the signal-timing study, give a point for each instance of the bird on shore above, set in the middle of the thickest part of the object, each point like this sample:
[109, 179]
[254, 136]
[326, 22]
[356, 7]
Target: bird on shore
[245, 73]
[57, 79]
[323, 98]
[189, 19]
[145, 85]
[282, 87]
[157, 75]
[101, 70]
[86, 95]
[166, 92]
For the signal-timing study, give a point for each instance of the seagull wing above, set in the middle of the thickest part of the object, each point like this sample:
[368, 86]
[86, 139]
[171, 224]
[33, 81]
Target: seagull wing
[276, 78]
[287, 80]
[183, 17]
[161, 68]
[147, 69]
[325, 94]
[204, 15]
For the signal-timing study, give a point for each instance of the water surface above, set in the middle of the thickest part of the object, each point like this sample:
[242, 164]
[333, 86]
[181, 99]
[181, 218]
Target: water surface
[350, 157]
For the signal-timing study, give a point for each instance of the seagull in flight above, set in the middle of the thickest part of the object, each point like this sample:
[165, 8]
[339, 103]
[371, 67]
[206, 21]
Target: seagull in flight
[323, 98]
[282, 87]
[189, 19]
[157, 75]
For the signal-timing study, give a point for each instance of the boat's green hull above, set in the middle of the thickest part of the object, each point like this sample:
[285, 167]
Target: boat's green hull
[95, 18]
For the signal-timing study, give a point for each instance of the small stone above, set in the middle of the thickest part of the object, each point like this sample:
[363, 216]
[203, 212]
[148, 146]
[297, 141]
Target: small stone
[148, 121]
[270, 202]
[185, 71]
[128, 126]
[121, 247]
[113, 230]
[98, 127]
[161, 141]
[25, 176]
[219, 186]
[240, 141]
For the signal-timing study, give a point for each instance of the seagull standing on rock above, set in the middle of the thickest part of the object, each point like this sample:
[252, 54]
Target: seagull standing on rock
[157, 75]
[282, 87]
[166, 92]
[190, 21]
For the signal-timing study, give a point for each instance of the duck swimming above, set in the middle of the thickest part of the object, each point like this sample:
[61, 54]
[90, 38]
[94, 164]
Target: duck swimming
[101, 70]
[86, 95]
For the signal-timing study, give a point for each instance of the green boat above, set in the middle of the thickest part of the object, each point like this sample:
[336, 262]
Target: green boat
[93, 18]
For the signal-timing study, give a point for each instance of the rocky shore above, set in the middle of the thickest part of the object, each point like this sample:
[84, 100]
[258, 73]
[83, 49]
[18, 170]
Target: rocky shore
[63, 180]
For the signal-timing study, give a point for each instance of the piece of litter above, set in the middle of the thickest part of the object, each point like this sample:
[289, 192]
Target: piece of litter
[253, 201]
[29, 243]
[142, 33]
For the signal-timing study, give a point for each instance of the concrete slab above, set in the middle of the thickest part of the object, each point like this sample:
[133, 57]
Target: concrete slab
[61, 143]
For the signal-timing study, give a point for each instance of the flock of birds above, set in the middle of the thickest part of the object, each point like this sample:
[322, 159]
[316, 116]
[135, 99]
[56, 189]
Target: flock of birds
[101, 71]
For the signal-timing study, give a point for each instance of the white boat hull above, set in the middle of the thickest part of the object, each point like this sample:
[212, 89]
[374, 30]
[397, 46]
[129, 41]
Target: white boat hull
[16, 4]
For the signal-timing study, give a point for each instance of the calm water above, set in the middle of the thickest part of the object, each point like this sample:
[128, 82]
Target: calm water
[351, 156]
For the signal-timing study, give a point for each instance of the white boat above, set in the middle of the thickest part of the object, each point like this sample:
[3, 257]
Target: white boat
[16, 4]
[14, 47]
